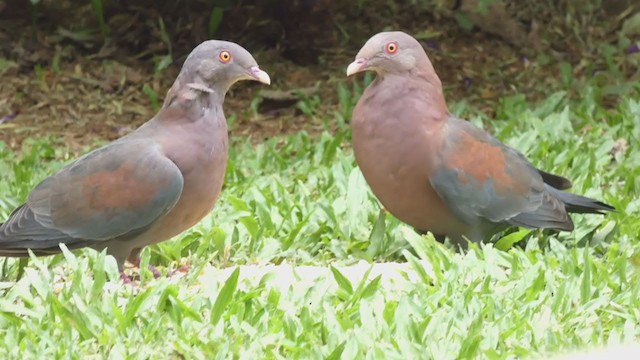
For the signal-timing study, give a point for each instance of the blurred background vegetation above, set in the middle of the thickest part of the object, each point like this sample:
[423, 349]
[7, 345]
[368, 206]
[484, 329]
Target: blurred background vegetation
[95, 69]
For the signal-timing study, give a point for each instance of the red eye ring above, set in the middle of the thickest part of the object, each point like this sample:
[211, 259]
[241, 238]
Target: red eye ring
[224, 56]
[392, 48]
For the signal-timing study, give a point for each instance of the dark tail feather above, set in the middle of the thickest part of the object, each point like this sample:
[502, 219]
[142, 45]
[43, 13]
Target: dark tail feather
[558, 182]
[581, 204]
[22, 232]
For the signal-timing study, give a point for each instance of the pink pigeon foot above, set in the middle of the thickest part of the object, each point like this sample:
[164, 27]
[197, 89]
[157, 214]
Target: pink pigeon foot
[126, 279]
[181, 269]
[134, 259]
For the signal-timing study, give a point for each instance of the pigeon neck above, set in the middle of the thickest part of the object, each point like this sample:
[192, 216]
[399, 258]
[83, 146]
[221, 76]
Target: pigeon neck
[433, 87]
[188, 102]
[194, 94]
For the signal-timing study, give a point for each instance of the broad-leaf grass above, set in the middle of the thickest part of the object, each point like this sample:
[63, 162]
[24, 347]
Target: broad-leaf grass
[300, 200]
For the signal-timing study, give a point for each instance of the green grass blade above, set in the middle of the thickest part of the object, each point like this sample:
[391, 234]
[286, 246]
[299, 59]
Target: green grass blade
[224, 296]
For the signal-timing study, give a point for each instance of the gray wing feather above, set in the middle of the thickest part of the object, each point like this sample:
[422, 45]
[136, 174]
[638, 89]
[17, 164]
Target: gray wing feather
[66, 208]
[475, 202]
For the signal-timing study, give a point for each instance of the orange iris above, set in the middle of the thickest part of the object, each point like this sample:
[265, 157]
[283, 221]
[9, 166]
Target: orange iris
[224, 56]
[392, 47]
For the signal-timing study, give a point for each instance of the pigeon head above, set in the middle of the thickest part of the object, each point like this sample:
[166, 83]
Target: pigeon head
[219, 64]
[391, 52]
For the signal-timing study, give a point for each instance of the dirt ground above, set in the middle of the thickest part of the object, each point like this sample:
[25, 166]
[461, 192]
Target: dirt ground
[52, 85]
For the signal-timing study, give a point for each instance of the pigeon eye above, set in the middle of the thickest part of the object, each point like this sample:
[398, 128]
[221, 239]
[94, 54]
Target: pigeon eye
[392, 47]
[224, 56]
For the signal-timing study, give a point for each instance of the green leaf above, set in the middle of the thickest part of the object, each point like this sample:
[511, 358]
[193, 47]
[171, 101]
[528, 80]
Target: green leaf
[365, 288]
[337, 352]
[585, 284]
[356, 195]
[376, 239]
[133, 306]
[463, 20]
[98, 9]
[99, 275]
[417, 242]
[152, 95]
[418, 267]
[472, 339]
[371, 287]
[215, 18]
[224, 296]
[342, 281]
[506, 242]
[251, 225]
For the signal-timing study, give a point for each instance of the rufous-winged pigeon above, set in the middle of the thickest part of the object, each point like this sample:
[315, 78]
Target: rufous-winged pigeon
[439, 173]
[149, 185]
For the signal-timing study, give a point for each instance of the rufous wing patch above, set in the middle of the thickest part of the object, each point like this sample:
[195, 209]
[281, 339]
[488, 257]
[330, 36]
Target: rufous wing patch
[482, 162]
[106, 191]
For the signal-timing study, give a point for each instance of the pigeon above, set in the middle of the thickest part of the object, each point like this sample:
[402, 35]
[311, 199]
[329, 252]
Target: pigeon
[147, 186]
[439, 173]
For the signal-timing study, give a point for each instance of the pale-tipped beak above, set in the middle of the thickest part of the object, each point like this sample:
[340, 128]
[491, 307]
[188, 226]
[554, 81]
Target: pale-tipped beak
[259, 75]
[357, 66]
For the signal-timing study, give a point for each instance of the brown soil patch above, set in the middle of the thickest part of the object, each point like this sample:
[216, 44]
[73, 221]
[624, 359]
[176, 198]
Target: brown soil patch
[54, 86]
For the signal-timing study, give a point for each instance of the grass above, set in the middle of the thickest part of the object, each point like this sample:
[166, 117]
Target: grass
[297, 261]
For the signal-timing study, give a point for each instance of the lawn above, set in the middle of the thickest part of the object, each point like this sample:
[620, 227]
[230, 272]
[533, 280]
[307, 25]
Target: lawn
[298, 261]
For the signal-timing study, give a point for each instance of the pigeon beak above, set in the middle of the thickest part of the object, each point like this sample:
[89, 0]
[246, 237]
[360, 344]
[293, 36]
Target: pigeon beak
[259, 75]
[357, 66]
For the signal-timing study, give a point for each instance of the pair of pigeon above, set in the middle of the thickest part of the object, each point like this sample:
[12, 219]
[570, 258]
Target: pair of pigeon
[430, 169]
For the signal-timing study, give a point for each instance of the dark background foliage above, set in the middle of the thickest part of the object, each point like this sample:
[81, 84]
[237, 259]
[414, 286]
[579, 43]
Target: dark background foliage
[116, 58]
